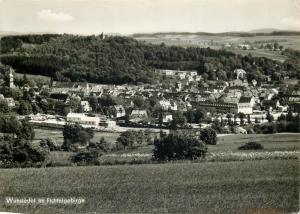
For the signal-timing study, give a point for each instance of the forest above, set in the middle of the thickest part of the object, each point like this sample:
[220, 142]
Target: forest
[119, 60]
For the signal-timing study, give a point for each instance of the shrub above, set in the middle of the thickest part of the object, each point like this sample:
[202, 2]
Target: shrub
[178, 147]
[251, 146]
[49, 144]
[208, 136]
[102, 145]
[86, 157]
[20, 151]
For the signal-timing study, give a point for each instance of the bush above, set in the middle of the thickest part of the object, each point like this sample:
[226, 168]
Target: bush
[178, 147]
[49, 144]
[251, 146]
[208, 136]
[86, 157]
[20, 151]
[102, 146]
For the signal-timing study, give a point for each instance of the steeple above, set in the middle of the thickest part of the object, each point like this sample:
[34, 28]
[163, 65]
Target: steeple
[11, 79]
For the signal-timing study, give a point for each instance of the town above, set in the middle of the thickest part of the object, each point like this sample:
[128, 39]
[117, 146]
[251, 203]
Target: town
[182, 97]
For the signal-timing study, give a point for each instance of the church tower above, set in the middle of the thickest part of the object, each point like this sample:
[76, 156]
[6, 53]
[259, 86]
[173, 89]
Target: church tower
[11, 79]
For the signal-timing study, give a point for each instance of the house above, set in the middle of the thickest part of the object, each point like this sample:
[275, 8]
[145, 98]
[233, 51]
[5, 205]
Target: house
[167, 118]
[270, 105]
[138, 115]
[10, 101]
[178, 86]
[245, 105]
[85, 106]
[60, 97]
[236, 82]
[168, 105]
[240, 73]
[83, 119]
[219, 107]
[118, 111]
[107, 123]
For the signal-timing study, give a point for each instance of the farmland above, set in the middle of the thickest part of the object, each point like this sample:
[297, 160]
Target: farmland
[217, 41]
[231, 187]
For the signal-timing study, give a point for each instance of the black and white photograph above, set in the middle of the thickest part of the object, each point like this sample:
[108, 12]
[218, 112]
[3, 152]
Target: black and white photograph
[149, 106]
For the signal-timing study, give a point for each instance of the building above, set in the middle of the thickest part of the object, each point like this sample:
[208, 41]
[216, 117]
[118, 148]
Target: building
[138, 115]
[245, 105]
[240, 73]
[219, 107]
[60, 97]
[83, 119]
[270, 105]
[166, 118]
[118, 111]
[168, 105]
[107, 123]
[11, 79]
[10, 101]
[85, 106]
[178, 86]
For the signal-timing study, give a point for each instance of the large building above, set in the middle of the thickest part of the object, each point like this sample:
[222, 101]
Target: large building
[245, 105]
[83, 119]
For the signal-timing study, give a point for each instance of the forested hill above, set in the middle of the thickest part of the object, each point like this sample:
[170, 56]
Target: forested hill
[118, 60]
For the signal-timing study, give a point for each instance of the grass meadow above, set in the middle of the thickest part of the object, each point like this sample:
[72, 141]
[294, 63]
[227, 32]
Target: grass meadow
[216, 42]
[228, 181]
[266, 186]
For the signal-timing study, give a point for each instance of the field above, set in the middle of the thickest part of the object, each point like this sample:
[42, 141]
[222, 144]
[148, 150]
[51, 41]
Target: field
[227, 144]
[35, 77]
[217, 41]
[231, 187]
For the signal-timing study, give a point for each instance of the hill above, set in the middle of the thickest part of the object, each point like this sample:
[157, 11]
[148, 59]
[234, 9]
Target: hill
[119, 60]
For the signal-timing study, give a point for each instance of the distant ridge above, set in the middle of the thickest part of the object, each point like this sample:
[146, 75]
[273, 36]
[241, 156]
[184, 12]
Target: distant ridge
[257, 32]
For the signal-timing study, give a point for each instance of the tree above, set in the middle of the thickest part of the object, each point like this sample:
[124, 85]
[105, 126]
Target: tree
[17, 150]
[178, 147]
[269, 117]
[24, 108]
[4, 108]
[242, 116]
[76, 134]
[229, 117]
[25, 130]
[126, 139]
[208, 136]
[178, 120]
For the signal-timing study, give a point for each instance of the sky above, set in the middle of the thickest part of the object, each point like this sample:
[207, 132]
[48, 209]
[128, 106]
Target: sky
[146, 16]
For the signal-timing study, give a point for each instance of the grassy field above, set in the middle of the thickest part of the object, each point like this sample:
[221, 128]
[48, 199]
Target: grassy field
[57, 135]
[216, 42]
[226, 144]
[231, 187]
[35, 77]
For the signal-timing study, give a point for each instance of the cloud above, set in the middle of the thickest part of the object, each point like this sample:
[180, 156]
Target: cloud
[290, 21]
[49, 15]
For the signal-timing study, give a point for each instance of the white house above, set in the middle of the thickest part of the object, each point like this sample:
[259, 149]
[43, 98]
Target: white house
[138, 115]
[166, 105]
[167, 118]
[245, 105]
[85, 106]
[240, 73]
[83, 119]
[118, 111]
